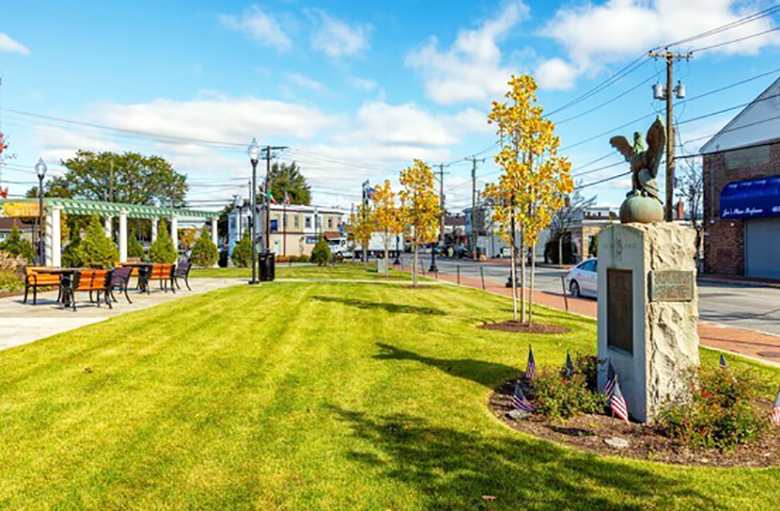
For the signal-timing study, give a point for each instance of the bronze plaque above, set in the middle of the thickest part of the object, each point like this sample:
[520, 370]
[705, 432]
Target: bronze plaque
[620, 309]
[671, 286]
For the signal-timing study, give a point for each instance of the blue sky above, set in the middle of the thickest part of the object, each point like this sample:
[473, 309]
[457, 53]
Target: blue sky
[355, 89]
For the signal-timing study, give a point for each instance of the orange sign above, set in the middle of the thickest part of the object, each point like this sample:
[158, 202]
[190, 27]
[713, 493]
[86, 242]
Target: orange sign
[20, 209]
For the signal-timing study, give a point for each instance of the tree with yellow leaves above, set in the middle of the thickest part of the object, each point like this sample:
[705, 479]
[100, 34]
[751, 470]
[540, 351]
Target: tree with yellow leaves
[361, 227]
[535, 178]
[420, 208]
[386, 216]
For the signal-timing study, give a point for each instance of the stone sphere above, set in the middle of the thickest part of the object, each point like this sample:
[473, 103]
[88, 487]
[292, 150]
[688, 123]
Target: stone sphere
[641, 209]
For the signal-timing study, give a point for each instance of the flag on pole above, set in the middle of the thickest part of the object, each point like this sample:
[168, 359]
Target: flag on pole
[519, 401]
[271, 197]
[569, 366]
[530, 368]
[611, 379]
[617, 403]
[286, 199]
[723, 364]
[776, 410]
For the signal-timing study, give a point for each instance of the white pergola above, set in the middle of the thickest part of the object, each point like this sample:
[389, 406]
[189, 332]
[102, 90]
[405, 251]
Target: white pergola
[53, 209]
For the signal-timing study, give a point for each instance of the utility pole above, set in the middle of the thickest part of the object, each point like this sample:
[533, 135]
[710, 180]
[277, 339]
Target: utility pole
[112, 179]
[473, 238]
[267, 194]
[440, 243]
[667, 95]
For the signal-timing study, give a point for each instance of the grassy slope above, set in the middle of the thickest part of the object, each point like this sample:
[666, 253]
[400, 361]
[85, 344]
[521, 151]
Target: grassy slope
[311, 396]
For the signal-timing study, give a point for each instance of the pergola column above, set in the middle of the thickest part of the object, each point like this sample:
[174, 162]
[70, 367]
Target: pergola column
[154, 229]
[53, 239]
[107, 226]
[214, 237]
[175, 231]
[123, 237]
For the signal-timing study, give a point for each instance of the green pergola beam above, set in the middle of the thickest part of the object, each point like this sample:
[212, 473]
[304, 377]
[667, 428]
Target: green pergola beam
[87, 207]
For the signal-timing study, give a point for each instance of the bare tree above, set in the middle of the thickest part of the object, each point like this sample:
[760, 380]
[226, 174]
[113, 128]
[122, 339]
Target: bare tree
[566, 217]
[690, 188]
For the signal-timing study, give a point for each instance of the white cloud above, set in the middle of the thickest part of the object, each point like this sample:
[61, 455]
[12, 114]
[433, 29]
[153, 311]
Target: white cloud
[307, 83]
[9, 45]
[363, 83]
[260, 26]
[556, 74]
[470, 70]
[594, 35]
[337, 38]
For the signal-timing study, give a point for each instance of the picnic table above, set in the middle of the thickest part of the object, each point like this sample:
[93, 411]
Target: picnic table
[144, 269]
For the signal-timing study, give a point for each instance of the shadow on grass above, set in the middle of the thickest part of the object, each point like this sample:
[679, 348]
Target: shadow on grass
[479, 371]
[389, 307]
[454, 469]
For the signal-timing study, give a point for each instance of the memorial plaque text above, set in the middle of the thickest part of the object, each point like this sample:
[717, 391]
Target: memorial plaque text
[671, 286]
[620, 309]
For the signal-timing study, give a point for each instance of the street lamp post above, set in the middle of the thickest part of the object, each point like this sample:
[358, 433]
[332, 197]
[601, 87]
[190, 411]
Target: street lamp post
[254, 157]
[397, 251]
[40, 170]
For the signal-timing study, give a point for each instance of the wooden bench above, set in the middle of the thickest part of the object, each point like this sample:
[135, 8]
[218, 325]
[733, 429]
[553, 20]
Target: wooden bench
[164, 273]
[87, 281]
[35, 277]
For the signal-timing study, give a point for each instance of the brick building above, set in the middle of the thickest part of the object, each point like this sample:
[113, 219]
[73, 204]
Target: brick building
[741, 180]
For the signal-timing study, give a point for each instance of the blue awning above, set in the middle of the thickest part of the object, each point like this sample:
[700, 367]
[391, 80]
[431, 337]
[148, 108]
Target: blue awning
[751, 198]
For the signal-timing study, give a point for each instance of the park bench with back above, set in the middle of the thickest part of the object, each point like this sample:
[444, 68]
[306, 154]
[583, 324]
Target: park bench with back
[163, 272]
[92, 281]
[183, 272]
[120, 279]
[35, 278]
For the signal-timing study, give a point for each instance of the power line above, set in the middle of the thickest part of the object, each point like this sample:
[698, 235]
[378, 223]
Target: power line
[605, 103]
[728, 26]
[696, 50]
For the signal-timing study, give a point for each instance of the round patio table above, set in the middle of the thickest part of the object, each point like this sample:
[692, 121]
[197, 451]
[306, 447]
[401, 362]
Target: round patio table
[144, 269]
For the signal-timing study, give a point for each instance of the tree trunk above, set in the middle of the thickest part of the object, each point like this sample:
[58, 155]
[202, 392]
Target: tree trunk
[387, 254]
[513, 276]
[560, 249]
[365, 256]
[522, 278]
[414, 267]
[531, 297]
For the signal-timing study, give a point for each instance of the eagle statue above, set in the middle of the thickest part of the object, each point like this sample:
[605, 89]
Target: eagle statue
[644, 160]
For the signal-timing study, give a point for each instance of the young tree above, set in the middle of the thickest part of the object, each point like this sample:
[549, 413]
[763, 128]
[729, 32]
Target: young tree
[362, 227]
[96, 250]
[420, 208]
[690, 188]
[320, 254]
[162, 249]
[16, 246]
[573, 211]
[204, 252]
[242, 251]
[386, 216]
[535, 178]
[134, 248]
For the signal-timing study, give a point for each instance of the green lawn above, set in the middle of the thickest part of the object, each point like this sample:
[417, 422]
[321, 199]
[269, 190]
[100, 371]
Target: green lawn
[312, 396]
[297, 271]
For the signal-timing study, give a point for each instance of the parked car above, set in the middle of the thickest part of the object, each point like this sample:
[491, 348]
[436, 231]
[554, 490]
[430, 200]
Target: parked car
[582, 280]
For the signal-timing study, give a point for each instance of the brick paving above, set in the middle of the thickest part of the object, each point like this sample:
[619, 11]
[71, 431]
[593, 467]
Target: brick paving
[758, 345]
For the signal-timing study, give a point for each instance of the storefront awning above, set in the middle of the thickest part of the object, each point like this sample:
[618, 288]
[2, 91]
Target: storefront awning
[751, 198]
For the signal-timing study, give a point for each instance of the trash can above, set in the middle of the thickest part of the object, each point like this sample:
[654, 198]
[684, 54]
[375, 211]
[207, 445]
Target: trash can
[267, 263]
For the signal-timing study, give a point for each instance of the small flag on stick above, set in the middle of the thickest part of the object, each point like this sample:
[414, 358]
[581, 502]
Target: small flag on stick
[617, 403]
[723, 364]
[611, 379]
[530, 368]
[519, 401]
[776, 410]
[569, 366]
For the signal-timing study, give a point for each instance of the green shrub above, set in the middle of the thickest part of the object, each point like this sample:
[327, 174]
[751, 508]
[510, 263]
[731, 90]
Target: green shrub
[134, 248]
[70, 255]
[96, 250]
[720, 412]
[321, 252]
[558, 397]
[204, 252]
[242, 251]
[162, 249]
[17, 246]
[11, 277]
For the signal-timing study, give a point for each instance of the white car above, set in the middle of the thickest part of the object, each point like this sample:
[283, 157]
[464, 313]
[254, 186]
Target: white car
[582, 280]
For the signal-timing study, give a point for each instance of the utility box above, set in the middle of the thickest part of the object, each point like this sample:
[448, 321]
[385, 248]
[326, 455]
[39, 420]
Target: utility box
[267, 262]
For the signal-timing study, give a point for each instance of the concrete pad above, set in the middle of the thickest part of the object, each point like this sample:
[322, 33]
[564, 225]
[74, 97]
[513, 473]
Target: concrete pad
[22, 324]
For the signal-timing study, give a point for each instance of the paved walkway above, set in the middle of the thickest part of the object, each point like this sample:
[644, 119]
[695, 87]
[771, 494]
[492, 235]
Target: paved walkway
[753, 344]
[23, 324]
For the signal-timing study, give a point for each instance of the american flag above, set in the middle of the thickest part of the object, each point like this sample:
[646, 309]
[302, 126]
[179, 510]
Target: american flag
[617, 403]
[611, 379]
[530, 368]
[569, 366]
[776, 410]
[519, 401]
[723, 364]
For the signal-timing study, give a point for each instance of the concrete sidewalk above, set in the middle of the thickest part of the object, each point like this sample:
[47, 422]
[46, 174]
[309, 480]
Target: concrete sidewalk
[23, 324]
[758, 345]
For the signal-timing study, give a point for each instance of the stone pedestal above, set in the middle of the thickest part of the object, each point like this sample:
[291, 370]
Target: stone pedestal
[648, 312]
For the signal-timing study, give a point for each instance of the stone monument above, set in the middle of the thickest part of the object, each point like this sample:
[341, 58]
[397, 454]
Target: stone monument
[647, 299]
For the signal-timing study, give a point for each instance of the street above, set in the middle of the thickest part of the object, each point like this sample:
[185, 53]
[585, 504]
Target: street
[733, 304]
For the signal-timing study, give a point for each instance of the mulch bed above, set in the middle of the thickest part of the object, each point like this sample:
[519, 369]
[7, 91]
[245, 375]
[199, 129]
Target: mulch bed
[587, 432]
[6, 294]
[523, 328]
